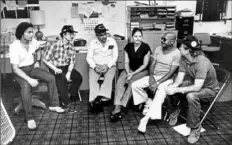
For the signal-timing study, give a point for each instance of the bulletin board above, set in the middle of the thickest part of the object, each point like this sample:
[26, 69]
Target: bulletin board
[18, 9]
[93, 13]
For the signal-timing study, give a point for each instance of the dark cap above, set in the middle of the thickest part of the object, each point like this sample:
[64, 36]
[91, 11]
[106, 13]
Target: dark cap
[68, 28]
[190, 41]
[100, 28]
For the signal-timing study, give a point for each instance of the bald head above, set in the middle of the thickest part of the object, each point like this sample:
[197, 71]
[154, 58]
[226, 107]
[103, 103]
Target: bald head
[170, 35]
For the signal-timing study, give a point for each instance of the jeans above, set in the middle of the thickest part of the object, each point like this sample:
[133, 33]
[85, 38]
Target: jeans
[194, 103]
[26, 89]
[62, 84]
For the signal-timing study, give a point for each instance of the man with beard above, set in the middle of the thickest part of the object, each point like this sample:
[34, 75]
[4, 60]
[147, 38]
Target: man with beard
[165, 62]
[102, 56]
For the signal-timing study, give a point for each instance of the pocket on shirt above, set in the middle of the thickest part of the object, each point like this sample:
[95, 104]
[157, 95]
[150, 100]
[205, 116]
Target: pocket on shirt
[109, 52]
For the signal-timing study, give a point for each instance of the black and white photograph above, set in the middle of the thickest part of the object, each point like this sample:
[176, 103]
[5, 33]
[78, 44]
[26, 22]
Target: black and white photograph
[116, 72]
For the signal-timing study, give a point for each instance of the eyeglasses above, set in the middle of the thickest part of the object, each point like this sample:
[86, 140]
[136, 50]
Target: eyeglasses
[164, 39]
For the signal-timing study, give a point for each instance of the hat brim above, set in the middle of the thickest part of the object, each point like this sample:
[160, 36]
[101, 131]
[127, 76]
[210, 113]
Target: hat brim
[70, 32]
[101, 31]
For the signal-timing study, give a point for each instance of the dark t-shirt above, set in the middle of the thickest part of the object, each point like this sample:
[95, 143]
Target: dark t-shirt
[136, 58]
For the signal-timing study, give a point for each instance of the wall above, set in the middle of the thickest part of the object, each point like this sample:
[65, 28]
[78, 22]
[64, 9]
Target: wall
[208, 27]
[57, 14]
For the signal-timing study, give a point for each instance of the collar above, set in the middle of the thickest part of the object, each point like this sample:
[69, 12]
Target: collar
[97, 41]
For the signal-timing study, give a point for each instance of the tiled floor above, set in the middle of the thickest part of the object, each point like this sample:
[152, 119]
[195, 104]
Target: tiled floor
[85, 127]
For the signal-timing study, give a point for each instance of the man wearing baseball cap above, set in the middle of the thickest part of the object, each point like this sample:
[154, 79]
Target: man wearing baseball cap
[60, 59]
[102, 56]
[201, 83]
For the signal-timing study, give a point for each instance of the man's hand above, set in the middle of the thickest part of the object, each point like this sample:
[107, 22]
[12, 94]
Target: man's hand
[151, 80]
[153, 87]
[36, 64]
[97, 69]
[171, 90]
[129, 76]
[68, 75]
[33, 82]
[57, 71]
[105, 68]
[101, 69]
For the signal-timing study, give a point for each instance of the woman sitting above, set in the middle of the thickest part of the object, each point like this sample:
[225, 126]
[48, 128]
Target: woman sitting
[137, 55]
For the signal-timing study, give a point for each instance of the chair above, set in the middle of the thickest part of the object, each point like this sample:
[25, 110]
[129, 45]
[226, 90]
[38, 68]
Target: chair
[7, 129]
[34, 102]
[223, 77]
[205, 42]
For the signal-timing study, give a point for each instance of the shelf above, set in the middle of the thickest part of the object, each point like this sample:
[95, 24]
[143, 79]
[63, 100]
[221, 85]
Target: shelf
[138, 19]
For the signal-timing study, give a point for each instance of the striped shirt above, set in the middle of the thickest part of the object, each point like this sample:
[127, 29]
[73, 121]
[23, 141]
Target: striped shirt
[59, 54]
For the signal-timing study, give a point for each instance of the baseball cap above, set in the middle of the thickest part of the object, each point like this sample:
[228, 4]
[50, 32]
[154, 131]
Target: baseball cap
[100, 28]
[190, 41]
[68, 28]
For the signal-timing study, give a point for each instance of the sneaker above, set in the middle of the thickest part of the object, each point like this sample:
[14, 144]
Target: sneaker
[68, 109]
[194, 135]
[142, 125]
[56, 109]
[173, 118]
[147, 106]
[31, 125]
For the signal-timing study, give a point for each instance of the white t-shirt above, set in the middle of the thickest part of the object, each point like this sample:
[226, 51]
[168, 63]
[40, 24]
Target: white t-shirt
[165, 61]
[20, 56]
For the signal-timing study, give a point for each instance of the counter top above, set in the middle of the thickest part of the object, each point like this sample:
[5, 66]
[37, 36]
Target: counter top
[223, 35]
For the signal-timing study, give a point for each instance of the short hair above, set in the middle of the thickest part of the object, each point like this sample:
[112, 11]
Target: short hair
[136, 30]
[21, 28]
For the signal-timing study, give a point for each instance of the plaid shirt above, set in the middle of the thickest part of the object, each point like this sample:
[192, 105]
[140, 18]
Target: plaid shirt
[59, 54]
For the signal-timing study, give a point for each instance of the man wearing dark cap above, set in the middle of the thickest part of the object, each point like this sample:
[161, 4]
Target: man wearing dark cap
[202, 83]
[60, 59]
[102, 56]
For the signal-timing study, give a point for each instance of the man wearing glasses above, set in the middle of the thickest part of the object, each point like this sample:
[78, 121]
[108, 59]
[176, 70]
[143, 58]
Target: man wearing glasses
[102, 56]
[60, 59]
[165, 62]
